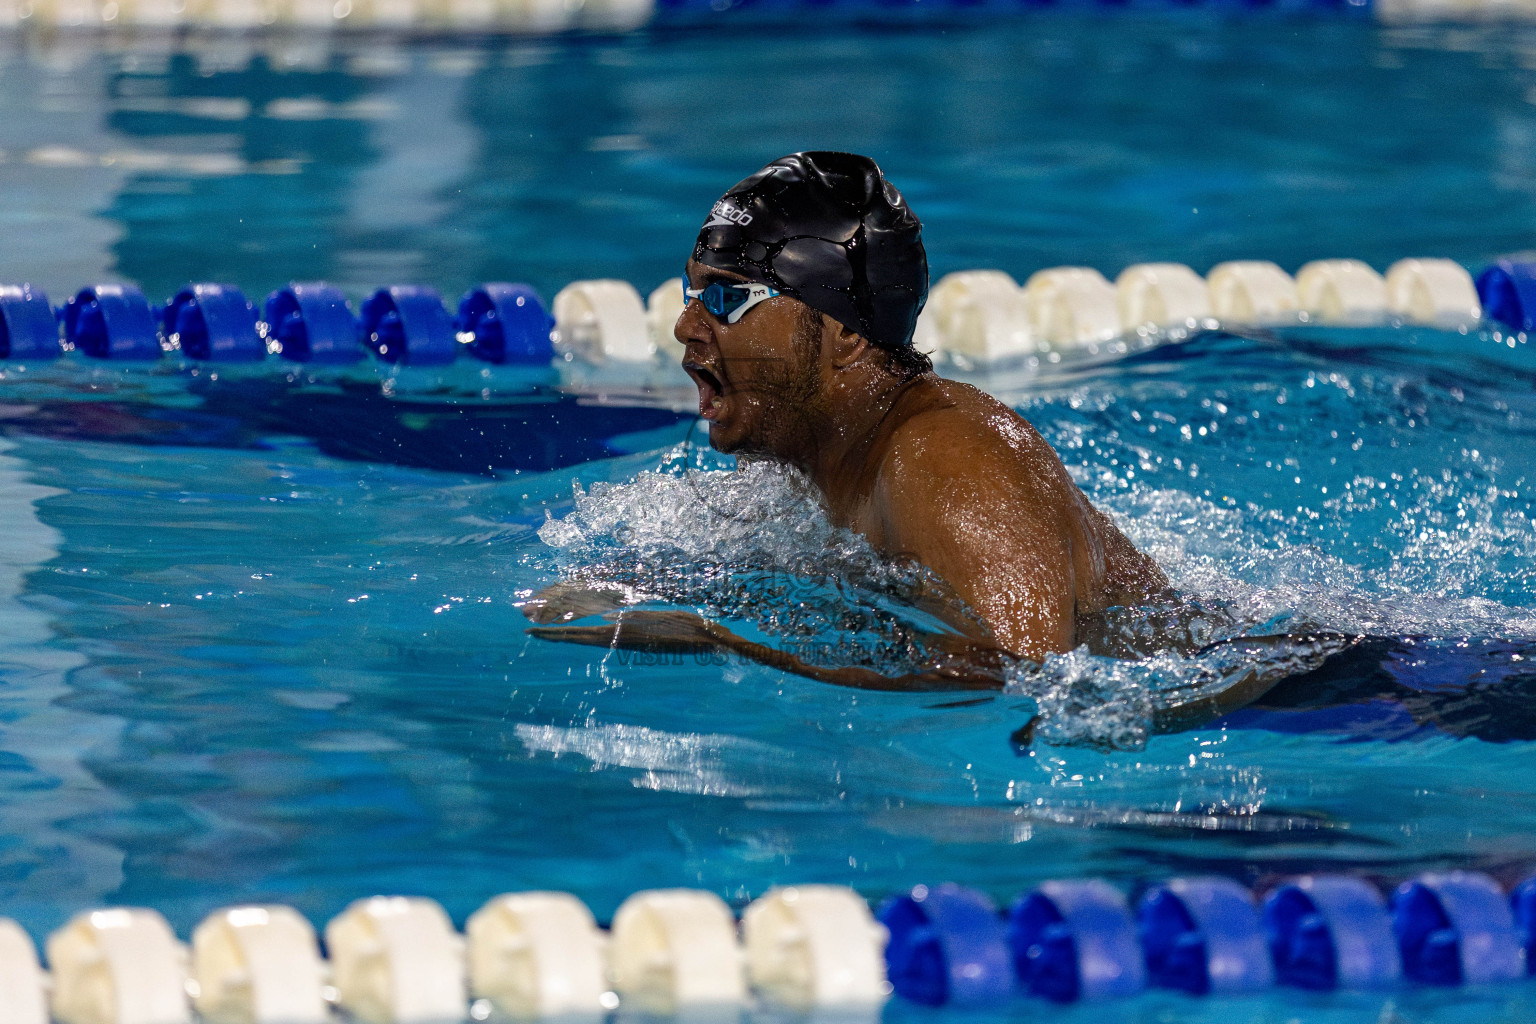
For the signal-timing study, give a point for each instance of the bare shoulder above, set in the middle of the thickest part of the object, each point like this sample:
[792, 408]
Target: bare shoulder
[971, 490]
[948, 430]
[960, 454]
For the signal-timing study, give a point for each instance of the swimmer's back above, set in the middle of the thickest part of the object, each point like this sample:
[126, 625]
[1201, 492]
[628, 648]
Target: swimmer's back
[970, 489]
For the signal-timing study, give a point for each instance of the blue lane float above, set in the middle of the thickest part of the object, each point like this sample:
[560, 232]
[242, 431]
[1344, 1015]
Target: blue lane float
[947, 946]
[213, 322]
[1456, 928]
[1075, 940]
[408, 324]
[497, 322]
[1203, 935]
[112, 321]
[1523, 903]
[1507, 291]
[28, 328]
[506, 323]
[1331, 931]
[312, 323]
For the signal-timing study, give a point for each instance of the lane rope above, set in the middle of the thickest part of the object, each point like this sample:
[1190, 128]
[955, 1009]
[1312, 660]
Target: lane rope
[973, 318]
[682, 953]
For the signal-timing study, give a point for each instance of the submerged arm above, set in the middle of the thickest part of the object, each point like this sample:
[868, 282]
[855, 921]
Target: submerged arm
[964, 664]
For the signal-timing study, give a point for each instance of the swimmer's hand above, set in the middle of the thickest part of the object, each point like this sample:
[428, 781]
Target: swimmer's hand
[659, 632]
[569, 600]
[964, 665]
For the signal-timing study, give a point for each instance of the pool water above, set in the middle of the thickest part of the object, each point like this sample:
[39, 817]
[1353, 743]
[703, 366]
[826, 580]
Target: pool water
[258, 634]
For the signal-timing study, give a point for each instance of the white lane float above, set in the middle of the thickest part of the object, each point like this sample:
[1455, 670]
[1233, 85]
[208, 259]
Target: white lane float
[977, 315]
[538, 955]
[662, 310]
[151, 13]
[602, 321]
[1252, 292]
[23, 988]
[1072, 306]
[397, 960]
[1341, 292]
[258, 965]
[383, 14]
[119, 966]
[673, 952]
[815, 947]
[235, 14]
[614, 15]
[1434, 292]
[537, 16]
[310, 15]
[1161, 295]
[323, 16]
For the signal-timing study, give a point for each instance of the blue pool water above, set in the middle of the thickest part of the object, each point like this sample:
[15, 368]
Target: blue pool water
[257, 629]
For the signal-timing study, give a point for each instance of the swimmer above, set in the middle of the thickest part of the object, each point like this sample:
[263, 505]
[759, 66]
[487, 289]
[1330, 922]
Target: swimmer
[803, 292]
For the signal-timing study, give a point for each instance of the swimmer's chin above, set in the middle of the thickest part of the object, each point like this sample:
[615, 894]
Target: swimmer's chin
[726, 433]
[723, 440]
[733, 430]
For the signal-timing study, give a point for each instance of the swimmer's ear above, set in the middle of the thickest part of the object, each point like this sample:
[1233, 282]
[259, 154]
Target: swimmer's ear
[843, 346]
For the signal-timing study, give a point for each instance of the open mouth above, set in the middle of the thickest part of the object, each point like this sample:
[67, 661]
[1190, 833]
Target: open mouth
[711, 390]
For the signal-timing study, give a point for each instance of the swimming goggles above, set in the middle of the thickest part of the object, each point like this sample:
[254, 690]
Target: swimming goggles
[729, 302]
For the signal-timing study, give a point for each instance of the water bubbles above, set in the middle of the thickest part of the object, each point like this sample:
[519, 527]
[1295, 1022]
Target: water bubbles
[751, 544]
[1285, 501]
[1117, 703]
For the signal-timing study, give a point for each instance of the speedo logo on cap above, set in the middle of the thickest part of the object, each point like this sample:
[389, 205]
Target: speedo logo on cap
[724, 215]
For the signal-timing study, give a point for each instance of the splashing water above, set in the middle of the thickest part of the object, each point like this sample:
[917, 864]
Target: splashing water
[750, 544]
[695, 505]
[1442, 548]
[753, 544]
[1109, 703]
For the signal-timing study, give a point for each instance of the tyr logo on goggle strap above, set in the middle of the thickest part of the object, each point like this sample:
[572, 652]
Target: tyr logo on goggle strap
[724, 215]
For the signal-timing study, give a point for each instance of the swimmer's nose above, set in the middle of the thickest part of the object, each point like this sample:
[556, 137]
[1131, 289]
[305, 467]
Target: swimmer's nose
[694, 325]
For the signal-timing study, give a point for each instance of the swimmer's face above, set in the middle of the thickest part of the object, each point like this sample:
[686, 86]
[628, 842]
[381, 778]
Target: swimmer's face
[757, 378]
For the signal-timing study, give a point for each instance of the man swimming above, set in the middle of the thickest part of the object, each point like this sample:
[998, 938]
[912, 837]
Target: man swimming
[803, 292]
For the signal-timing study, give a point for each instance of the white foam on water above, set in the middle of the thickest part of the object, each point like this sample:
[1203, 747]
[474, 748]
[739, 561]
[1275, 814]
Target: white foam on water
[753, 544]
[758, 509]
[699, 763]
[1240, 558]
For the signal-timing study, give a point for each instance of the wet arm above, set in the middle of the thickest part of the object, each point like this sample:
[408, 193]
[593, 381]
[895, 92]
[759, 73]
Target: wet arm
[962, 665]
[1002, 550]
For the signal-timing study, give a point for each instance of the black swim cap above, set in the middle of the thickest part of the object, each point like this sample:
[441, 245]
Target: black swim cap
[828, 229]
